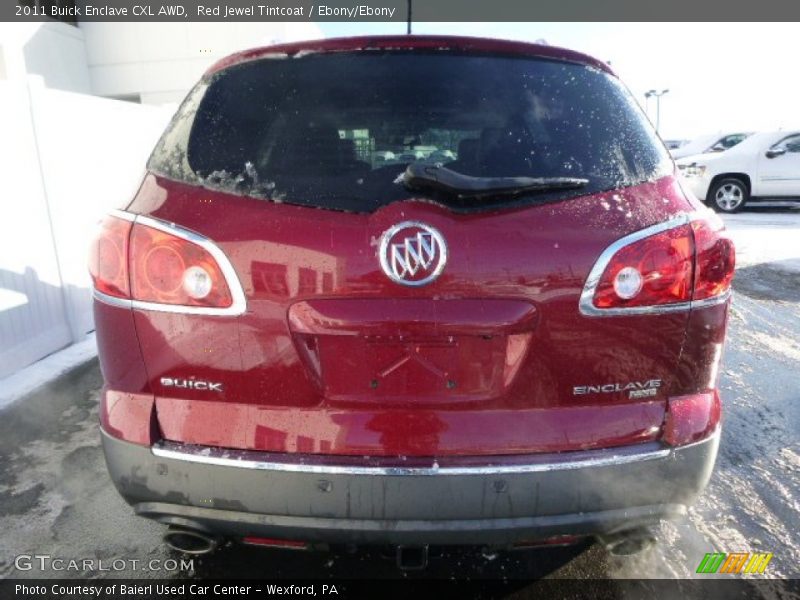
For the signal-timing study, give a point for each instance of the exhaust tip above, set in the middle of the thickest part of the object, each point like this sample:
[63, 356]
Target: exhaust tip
[629, 543]
[190, 541]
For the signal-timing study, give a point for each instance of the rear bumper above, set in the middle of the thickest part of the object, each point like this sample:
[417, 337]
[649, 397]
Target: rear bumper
[461, 502]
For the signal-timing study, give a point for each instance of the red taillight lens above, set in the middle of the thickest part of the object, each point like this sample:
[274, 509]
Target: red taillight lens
[694, 261]
[691, 418]
[653, 271]
[716, 260]
[275, 543]
[108, 258]
[143, 263]
[168, 269]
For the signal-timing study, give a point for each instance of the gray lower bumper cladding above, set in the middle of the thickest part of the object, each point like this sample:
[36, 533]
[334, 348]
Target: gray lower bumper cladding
[497, 500]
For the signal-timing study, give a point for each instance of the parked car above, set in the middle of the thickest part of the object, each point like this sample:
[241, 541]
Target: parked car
[763, 167]
[714, 142]
[441, 156]
[674, 144]
[411, 156]
[384, 157]
[298, 351]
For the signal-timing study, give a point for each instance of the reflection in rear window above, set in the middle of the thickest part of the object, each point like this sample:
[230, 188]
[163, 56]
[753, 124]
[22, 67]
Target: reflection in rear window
[336, 130]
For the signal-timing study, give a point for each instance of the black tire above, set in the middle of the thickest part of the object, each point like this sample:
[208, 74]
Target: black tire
[728, 195]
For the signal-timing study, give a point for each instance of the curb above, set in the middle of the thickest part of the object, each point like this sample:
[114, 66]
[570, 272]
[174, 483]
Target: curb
[42, 372]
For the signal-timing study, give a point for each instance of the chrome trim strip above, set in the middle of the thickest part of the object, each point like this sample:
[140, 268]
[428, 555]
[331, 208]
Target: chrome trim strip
[586, 302]
[223, 458]
[239, 305]
[121, 214]
[714, 300]
[111, 300]
[716, 434]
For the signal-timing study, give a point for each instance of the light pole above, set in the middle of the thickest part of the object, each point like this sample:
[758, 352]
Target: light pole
[657, 95]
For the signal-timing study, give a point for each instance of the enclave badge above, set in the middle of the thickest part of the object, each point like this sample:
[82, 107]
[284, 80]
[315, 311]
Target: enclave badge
[412, 253]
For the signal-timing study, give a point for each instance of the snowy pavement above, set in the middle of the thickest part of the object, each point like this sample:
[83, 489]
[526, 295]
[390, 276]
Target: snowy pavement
[769, 235]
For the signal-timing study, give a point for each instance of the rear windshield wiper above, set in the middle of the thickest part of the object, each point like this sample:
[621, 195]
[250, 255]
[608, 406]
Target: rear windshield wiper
[427, 176]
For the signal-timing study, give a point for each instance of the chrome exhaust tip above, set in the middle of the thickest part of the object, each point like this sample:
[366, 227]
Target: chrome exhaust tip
[190, 541]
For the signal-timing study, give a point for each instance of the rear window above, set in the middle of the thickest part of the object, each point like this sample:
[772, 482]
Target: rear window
[336, 131]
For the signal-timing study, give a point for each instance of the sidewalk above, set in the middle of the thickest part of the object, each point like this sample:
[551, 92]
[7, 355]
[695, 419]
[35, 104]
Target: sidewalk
[25, 381]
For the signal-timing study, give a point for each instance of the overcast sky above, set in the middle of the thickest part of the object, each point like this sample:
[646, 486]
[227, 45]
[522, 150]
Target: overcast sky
[721, 76]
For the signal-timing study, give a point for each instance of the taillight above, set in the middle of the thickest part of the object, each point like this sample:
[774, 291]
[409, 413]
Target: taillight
[168, 269]
[108, 258]
[162, 267]
[652, 271]
[679, 262]
[715, 262]
[691, 418]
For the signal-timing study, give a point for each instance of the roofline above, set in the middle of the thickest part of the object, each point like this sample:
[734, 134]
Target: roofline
[412, 42]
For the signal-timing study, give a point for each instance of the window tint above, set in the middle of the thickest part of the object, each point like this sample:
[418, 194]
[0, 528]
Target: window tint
[790, 144]
[336, 130]
[729, 141]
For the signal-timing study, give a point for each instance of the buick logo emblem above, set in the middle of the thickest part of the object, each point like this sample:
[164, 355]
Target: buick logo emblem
[412, 253]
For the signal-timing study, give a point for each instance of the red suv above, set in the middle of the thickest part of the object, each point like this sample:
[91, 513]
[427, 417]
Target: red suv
[410, 291]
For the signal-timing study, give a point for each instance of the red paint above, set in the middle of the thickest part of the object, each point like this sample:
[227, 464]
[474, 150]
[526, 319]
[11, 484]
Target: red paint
[382, 431]
[333, 358]
[118, 349]
[441, 43]
[129, 417]
[323, 322]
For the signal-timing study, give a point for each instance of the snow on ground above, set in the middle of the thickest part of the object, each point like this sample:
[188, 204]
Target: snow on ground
[766, 237]
[25, 381]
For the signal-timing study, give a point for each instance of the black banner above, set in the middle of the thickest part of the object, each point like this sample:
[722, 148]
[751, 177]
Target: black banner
[733, 588]
[397, 10]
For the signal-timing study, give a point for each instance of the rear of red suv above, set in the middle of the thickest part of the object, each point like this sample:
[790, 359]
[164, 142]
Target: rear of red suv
[408, 291]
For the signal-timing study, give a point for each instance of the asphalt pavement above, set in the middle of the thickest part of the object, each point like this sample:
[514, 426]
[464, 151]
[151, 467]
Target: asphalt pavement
[56, 499]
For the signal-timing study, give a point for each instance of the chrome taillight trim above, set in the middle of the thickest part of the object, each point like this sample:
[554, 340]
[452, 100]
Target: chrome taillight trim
[586, 302]
[112, 300]
[239, 304]
[714, 300]
[121, 214]
[243, 459]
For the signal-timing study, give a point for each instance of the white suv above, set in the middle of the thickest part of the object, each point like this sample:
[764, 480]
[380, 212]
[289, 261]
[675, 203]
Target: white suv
[714, 142]
[764, 166]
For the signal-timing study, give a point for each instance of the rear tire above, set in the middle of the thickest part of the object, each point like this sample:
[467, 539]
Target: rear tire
[728, 195]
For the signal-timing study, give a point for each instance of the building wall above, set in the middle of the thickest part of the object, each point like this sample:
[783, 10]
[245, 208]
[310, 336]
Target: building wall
[67, 155]
[54, 51]
[65, 159]
[32, 305]
[160, 62]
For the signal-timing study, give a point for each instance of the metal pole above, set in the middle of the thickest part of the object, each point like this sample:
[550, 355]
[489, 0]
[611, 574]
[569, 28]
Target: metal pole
[408, 24]
[658, 112]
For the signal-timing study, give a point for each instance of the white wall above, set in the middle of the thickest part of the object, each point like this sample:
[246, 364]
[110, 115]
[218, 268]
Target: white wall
[65, 159]
[55, 51]
[160, 62]
[32, 305]
[93, 153]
